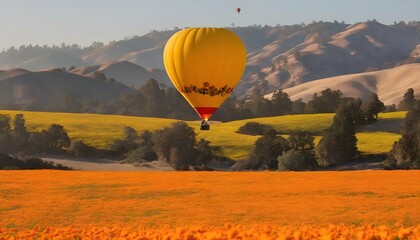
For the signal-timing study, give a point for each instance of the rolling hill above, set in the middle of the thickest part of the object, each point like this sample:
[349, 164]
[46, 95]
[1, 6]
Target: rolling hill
[278, 56]
[37, 90]
[390, 84]
[125, 72]
[414, 56]
[358, 48]
[101, 130]
[145, 50]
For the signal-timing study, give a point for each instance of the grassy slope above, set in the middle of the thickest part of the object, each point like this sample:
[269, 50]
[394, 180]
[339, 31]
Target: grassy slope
[101, 130]
[95, 129]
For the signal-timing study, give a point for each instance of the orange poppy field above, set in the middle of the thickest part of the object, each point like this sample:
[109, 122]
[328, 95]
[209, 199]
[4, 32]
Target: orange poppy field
[209, 205]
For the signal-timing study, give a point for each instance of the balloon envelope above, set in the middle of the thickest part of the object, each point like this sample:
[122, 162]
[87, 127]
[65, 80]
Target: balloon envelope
[205, 65]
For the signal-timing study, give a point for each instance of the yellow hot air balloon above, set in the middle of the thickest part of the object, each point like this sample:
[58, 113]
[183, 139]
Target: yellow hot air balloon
[205, 65]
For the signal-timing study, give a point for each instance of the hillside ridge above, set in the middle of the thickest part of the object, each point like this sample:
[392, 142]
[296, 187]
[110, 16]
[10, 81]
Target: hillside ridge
[278, 56]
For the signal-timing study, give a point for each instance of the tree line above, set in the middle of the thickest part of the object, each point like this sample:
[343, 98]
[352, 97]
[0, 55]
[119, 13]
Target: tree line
[157, 100]
[15, 139]
[338, 144]
[176, 144]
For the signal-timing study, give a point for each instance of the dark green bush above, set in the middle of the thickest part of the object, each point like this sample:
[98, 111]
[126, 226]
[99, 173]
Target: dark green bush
[254, 128]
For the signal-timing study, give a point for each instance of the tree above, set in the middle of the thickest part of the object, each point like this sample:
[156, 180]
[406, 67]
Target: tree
[174, 142]
[155, 104]
[130, 104]
[408, 100]
[267, 148]
[144, 148]
[372, 108]
[339, 144]
[145, 138]
[5, 123]
[57, 137]
[177, 106]
[80, 149]
[6, 139]
[38, 141]
[142, 153]
[405, 153]
[258, 105]
[294, 160]
[390, 108]
[69, 103]
[327, 102]
[298, 106]
[181, 158]
[281, 103]
[20, 133]
[128, 143]
[232, 109]
[301, 140]
[350, 111]
[204, 153]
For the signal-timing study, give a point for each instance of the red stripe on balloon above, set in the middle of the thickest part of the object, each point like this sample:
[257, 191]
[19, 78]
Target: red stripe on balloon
[205, 112]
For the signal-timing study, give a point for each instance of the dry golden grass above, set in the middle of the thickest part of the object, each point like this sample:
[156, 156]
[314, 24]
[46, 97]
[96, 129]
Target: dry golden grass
[94, 129]
[185, 199]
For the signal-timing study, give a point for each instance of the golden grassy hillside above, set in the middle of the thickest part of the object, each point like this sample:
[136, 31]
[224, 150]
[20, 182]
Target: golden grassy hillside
[362, 85]
[101, 130]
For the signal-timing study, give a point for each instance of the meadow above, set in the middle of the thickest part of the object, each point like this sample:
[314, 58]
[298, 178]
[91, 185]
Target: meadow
[46, 204]
[215, 204]
[101, 130]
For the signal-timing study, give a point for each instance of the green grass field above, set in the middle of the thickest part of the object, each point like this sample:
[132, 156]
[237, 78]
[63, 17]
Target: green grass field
[101, 130]
[393, 115]
[376, 142]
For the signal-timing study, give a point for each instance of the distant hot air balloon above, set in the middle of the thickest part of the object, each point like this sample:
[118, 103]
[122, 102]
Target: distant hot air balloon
[205, 64]
[238, 10]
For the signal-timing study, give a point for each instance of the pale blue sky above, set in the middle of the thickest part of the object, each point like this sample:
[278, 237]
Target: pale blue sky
[84, 21]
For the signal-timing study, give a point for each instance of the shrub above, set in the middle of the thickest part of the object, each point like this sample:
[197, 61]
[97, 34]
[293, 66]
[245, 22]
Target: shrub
[254, 128]
[123, 146]
[301, 140]
[141, 153]
[80, 149]
[9, 163]
[294, 160]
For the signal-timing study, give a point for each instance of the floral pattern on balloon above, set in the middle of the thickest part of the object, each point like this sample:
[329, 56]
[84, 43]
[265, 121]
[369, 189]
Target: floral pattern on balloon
[208, 89]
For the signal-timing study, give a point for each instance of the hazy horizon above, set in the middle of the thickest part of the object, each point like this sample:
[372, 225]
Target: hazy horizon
[78, 22]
